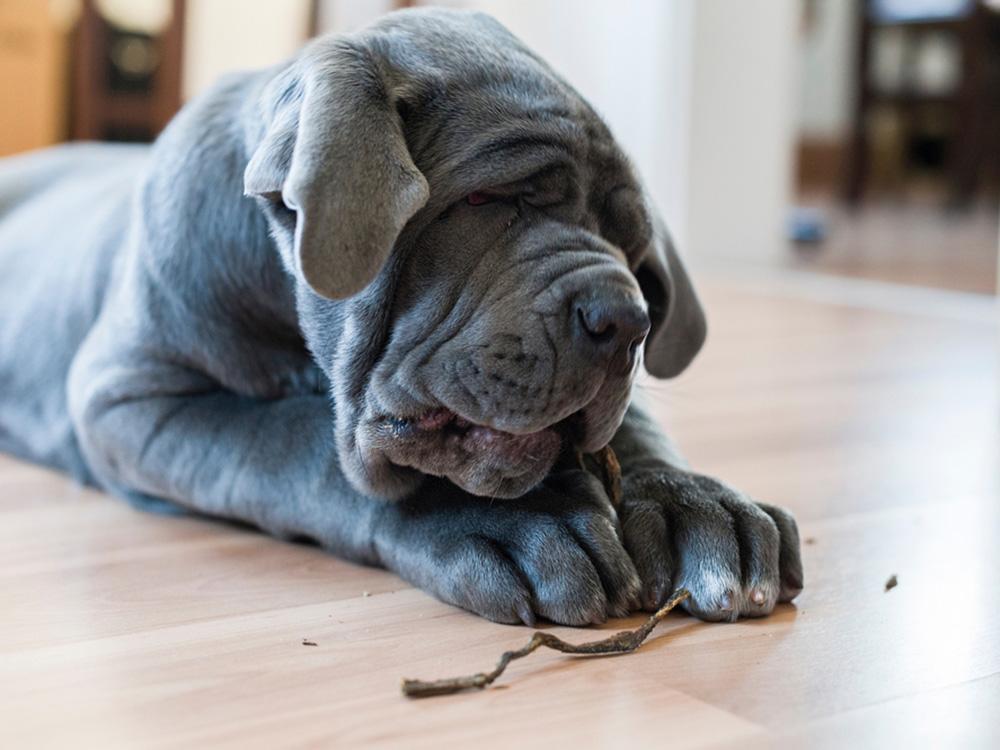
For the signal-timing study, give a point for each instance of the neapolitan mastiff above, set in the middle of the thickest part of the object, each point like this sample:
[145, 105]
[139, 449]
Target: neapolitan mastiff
[372, 298]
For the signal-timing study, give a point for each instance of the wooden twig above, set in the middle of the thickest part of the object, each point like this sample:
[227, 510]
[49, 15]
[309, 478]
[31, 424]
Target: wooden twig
[610, 471]
[622, 642]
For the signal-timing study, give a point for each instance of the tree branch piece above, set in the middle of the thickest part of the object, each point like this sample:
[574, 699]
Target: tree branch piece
[622, 642]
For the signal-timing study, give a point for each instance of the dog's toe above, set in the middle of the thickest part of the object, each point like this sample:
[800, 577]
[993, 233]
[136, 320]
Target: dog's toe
[565, 585]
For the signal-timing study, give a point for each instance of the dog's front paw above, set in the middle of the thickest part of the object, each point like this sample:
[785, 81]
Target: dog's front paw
[555, 553]
[738, 558]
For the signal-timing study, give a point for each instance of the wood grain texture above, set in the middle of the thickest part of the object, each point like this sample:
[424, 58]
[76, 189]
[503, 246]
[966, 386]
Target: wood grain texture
[879, 429]
[907, 239]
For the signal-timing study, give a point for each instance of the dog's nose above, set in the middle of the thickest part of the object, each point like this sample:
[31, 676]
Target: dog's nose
[610, 325]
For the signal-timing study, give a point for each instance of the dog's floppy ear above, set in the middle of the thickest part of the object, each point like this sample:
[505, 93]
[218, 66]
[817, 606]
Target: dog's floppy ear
[678, 321]
[334, 153]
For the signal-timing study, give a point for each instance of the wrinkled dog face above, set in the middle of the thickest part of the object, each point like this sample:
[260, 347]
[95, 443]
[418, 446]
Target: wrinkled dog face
[478, 269]
[490, 363]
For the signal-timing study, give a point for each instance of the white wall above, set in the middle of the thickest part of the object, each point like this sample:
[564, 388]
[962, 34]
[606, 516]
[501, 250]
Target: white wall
[826, 70]
[742, 128]
[348, 15]
[221, 36]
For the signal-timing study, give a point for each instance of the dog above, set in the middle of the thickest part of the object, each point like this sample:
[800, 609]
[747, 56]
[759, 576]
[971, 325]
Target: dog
[377, 297]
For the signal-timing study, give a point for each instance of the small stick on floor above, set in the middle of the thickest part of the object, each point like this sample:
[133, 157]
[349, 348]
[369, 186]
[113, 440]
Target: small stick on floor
[622, 642]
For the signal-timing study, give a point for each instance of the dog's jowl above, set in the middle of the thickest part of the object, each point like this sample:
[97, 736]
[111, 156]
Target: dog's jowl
[378, 296]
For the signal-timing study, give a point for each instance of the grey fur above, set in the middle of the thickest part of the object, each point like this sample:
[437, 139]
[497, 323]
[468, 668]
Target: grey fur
[257, 318]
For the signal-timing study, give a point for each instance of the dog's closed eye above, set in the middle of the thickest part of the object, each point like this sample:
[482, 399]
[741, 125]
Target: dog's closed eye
[480, 198]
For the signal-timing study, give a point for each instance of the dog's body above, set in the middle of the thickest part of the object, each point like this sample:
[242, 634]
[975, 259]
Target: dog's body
[78, 199]
[424, 228]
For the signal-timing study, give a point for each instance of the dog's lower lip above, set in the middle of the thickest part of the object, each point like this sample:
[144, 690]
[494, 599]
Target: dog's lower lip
[438, 419]
[475, 456]
[433, 420]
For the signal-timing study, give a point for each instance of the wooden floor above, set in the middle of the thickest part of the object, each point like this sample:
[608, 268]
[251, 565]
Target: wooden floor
[878, 427]
[910, 239]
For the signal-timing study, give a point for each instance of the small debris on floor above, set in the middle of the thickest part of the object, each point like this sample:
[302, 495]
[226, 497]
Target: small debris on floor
[366, 593]
[307, 642]
[891, 583]
[810, 540]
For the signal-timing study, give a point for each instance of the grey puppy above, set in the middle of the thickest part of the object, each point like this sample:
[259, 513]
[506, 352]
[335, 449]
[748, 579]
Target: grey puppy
[373, 298]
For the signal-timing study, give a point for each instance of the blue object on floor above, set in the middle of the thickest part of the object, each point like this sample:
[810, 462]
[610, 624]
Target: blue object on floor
[806, 225]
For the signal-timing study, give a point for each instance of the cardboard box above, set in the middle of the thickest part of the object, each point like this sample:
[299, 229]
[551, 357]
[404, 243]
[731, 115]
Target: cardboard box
[34, 74]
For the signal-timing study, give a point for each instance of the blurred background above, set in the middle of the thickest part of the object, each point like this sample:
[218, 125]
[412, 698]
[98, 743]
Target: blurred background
[847, 137]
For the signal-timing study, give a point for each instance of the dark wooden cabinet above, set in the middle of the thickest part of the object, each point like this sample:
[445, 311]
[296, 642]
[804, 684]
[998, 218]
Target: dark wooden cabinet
[126, 84]
[973, 147]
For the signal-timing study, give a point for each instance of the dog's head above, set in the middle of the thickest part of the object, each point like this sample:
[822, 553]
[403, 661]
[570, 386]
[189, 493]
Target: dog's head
[478, 270]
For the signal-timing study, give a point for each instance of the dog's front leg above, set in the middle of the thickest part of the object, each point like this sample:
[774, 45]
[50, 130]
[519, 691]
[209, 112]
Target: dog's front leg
[555, 552]
[736, 556]
[151, 431]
